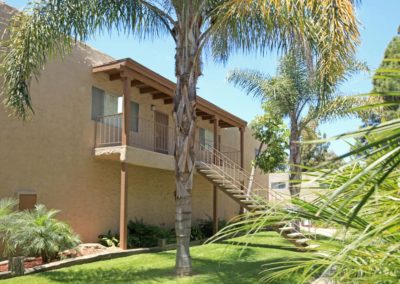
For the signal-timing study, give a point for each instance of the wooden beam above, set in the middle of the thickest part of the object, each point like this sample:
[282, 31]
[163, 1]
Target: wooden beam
[168, 101]
[147, 81]
[137, 83]
[207, 117]
[158, 96]
[147, 90]
[123, 219]
[215, 192]
[241, 130]
[114, 77]
[123, 208]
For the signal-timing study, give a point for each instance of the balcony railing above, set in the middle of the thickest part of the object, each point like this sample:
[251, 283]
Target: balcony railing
[146, 134]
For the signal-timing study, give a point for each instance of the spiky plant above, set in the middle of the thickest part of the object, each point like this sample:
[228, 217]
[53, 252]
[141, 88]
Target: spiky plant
[7, 224]
[39, 233]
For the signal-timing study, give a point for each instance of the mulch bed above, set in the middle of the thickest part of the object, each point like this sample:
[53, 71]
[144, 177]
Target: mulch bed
[83, 249]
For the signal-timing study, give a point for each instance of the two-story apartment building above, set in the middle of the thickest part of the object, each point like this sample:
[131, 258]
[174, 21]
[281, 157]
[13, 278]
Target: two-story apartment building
[75, 154]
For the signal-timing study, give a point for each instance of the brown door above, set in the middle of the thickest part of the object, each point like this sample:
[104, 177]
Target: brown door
[161, 132]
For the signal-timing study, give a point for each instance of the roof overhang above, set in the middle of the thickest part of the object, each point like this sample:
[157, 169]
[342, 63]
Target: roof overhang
[159, 87]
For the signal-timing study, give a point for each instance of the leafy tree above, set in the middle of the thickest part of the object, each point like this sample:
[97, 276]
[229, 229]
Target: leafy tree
[50, 28]
[383, 82]
[273, 136]
[294, 93]
[386, 87]
[315, 154]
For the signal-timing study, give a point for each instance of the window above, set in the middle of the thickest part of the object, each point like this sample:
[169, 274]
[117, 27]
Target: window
[278, 185]
[27, 201]
[206, 138]
[104, 104]
[134, 117]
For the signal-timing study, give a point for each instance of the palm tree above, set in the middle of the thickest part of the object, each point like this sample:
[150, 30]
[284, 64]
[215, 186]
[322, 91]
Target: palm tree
[295, 93]
[39, 233]
[50, 28]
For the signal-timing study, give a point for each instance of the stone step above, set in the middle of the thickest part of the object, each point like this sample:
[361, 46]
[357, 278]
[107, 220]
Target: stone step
[287, 229]
[302, 241]
[295, 235]
[313, 247]
[253, 206]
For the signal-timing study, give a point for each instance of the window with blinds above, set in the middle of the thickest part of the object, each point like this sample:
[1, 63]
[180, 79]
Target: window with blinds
[104, 104]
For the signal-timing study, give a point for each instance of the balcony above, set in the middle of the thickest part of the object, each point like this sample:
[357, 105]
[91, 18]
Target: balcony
[156, 139]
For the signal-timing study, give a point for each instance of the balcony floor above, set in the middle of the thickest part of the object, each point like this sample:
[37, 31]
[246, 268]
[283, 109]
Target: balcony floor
[136, 156]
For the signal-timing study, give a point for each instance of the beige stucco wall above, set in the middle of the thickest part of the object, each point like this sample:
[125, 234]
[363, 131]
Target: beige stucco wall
[52, 155]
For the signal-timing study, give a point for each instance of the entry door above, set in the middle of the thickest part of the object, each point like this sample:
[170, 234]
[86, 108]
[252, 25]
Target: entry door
[161, 132]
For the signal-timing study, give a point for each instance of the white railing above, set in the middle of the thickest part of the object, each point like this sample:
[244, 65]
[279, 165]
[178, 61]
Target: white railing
[231, 173]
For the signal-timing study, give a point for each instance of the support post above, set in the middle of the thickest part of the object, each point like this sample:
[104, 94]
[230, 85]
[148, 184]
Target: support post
[241, 131]
[123, 214]
[215, 189]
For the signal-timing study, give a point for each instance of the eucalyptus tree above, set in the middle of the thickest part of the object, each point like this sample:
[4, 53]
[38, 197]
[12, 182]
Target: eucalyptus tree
[295, 93]
[50, 28]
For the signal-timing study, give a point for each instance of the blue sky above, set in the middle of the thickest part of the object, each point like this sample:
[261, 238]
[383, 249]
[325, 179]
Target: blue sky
[379, 22]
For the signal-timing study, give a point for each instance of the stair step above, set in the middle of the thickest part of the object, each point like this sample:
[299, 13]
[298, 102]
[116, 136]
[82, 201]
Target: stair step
[234, 191]
[295, 235]
[287, 229]
[214, 176]
[248, 202]
[313, 247]
[240, 196]
[302, 241]
[205, 170]
[255, 206]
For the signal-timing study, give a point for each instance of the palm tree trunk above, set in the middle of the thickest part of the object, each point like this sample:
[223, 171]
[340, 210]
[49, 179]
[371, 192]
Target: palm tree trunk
[187, 71]
[294, 159]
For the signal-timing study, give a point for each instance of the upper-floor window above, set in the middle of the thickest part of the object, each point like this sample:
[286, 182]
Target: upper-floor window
[105, 104]
[206, 137]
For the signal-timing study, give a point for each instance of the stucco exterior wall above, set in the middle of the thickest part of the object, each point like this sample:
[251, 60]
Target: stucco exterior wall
[52, 155]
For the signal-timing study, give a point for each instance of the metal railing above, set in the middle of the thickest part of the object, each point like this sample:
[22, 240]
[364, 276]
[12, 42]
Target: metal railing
[232, 174]
[145, 134]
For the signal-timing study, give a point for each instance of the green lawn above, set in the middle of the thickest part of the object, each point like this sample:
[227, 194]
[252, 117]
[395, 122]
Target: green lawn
[212, 263]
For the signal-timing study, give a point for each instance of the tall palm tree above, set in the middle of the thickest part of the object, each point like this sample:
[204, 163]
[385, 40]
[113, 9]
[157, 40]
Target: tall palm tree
[50, 28]
[295, 93]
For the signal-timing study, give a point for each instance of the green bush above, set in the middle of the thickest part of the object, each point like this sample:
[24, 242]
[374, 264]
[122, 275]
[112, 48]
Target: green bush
[33, 233]
[38, 233]
[109, 240]
[203, 229]
[144, 235]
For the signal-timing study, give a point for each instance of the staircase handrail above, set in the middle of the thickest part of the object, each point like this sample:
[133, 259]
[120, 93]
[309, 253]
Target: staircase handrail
[217, 159]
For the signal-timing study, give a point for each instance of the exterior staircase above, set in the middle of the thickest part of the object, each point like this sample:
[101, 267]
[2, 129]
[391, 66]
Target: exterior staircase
[231, 179]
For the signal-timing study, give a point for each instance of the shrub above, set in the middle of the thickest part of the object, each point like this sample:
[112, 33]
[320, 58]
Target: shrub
[144, 235]
[7, 223]
[39, 233]
[109, 240]
[203, 229]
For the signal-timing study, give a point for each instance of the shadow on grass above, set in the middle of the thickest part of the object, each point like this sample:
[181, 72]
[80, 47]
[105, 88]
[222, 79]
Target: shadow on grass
[278, 247]
[204, 270]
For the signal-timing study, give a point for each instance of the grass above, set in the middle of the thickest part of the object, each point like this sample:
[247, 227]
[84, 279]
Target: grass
[212, 263]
